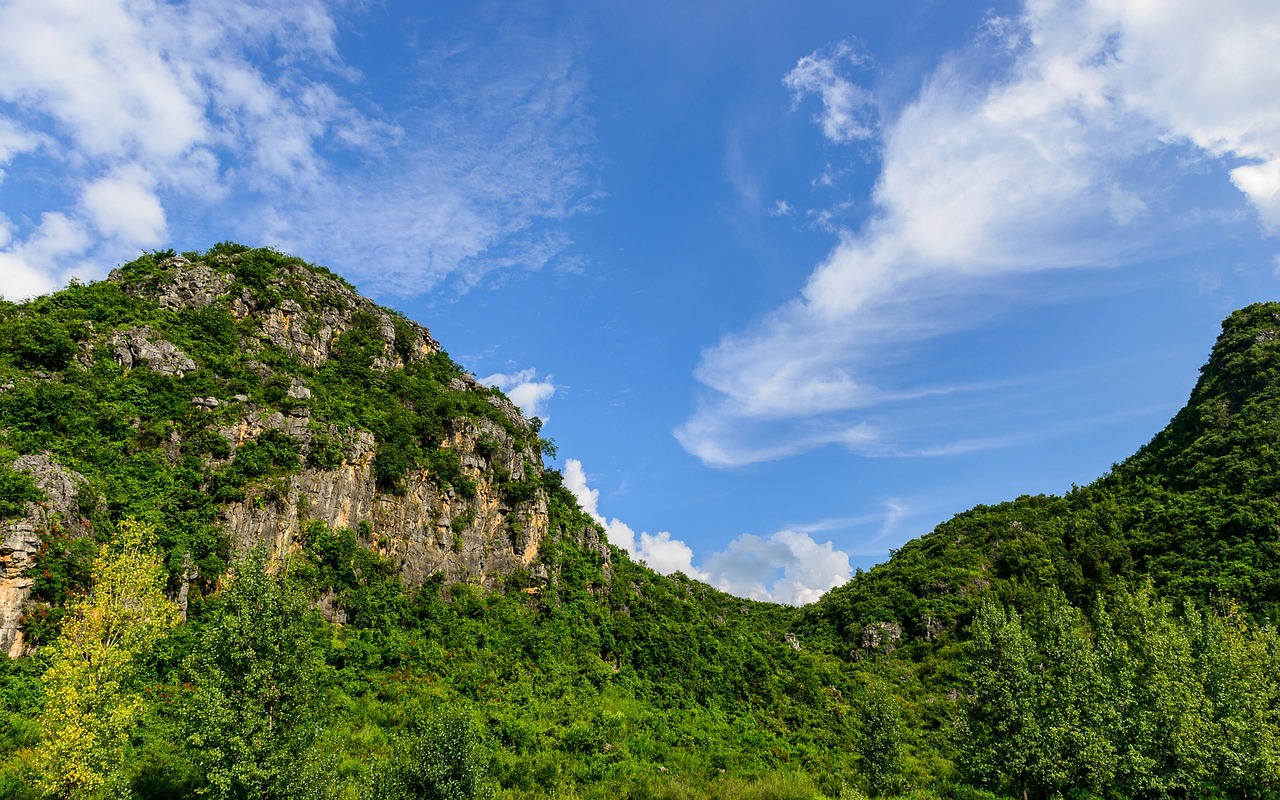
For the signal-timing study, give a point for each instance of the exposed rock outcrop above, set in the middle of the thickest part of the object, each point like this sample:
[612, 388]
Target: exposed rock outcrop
[192, 285]
[141, 347]
[309, 331]
[478, 518]
[426, 529]
[305, 325]
[20, 542]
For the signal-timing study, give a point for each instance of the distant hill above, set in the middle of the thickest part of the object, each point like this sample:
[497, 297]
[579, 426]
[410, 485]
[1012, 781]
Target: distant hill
[263, 538]
[1196, 511]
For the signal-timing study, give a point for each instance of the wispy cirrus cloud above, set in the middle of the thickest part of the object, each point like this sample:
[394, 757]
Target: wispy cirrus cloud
[129, 125]
[848, 110]
[1060, 159]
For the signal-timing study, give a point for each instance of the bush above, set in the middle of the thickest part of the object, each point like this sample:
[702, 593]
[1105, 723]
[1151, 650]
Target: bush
[16, 490]
[42, 344]
[439, 759]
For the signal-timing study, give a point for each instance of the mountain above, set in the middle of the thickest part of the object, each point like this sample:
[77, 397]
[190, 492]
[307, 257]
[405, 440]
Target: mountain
[263, 538]
[236, 399]
[1196, 511]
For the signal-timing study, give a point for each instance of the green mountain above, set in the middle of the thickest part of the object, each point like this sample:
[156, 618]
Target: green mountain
[263, 538]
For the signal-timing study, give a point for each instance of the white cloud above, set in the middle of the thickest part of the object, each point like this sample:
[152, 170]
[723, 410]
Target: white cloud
[243, 116]
[94, 68]
[788, 567]
[14, 140]
[47, 258]
[123, 206]
[575, 480]
[20, 281]
[525, 390]
[666, 555]
[494, 160]
[847, 109]
[618, 532]
[985, 180]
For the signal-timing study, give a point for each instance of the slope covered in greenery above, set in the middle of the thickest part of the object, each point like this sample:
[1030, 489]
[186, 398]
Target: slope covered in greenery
[1115, 641]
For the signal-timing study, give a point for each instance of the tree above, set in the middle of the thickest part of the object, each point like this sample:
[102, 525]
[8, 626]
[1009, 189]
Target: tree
[1004, 733]
[880, 745]
[439, 758]
[255, 678]
[92, 691]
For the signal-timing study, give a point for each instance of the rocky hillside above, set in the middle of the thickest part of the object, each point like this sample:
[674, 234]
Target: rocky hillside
[383, 593]
[237, 398]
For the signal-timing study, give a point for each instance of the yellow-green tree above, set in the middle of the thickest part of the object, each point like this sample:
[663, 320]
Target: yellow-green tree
[92, 692]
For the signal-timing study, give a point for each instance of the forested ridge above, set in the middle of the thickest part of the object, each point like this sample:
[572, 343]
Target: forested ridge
[1115, 641]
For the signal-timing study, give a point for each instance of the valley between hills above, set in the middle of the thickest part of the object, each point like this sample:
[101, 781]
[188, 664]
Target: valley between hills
[263, 538]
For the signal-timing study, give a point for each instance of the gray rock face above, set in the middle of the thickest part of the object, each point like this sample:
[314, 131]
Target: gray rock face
[428, 530]
[140, 347]
[881, 636]
[20, 542]
[309, 332]
[192, 285]
[188, 285]
[296, 424]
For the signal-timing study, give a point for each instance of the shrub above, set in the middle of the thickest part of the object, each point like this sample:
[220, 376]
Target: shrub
[437, 759]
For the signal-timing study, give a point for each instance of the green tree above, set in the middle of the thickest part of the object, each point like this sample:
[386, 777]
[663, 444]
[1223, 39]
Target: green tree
[1162, 735]
[92, 691]
[880, 745]
[1004, 734]
[16, 490]
[437, 759]
[1237, 664]
[42, 343]
[256, 679]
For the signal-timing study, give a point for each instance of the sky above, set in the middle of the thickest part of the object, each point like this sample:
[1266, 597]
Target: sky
[789, 284]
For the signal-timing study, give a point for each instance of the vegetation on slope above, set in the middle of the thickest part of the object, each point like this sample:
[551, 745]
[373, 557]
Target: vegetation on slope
[1116, 641]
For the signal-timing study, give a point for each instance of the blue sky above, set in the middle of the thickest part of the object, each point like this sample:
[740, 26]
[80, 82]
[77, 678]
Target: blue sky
[790, 284]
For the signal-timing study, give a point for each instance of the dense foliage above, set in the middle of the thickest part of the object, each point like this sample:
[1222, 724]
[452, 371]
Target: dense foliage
[1116, 641]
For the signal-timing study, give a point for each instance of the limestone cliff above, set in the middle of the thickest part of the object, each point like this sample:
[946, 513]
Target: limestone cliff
[424, 528]
[20, 541]
[268, 395]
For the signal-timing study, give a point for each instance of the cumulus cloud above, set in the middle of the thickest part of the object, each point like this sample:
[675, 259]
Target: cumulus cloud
[14, 140]
[245, 112]
[525, 390]
[987, 180]
[124, 206]
[847, 108]
[50, 256]
[20, 281]
[788, 567]
[660, 551]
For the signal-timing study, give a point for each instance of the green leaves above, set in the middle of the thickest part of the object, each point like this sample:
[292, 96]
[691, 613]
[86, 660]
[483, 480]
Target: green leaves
[92, 687]
[1140, 700]
[41, 343]
[439, 758]
[257, 684]
[16, 490]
